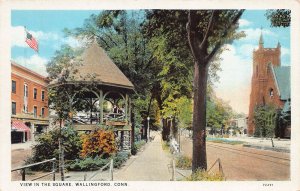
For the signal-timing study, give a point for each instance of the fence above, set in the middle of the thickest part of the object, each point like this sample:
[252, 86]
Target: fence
[174, 170]
[23, 169]
[111, 168]
[220, 167]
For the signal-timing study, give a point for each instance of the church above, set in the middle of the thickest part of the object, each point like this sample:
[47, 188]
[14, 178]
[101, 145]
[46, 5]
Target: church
[270, 85]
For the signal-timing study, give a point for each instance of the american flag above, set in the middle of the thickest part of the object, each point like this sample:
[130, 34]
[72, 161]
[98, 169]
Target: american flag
[30, 40]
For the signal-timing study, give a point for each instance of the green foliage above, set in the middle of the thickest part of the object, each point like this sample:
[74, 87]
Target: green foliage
[165, 146]
[120, 158]
[47, 147]
[183, 162]
[87, 164]
[279, 17]
[265, 119]
[224, 141]
[218, 113]
[200, 175]
[139, 144]
[97, 162]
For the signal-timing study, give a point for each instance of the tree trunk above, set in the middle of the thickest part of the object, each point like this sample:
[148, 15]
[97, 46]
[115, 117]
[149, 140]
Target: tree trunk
[61, 153]
[132, 128]
[166, 130]
[199, 116]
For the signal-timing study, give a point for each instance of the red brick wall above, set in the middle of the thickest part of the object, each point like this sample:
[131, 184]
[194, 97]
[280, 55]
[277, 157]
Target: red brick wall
[33, 80]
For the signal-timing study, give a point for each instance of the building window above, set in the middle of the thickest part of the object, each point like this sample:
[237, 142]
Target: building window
[13, 86]
[43, 95]
[34, 93]
[25, 106]
[271, 92]
[35, 111]
[13, 108]
[25, 90]
[43, 112]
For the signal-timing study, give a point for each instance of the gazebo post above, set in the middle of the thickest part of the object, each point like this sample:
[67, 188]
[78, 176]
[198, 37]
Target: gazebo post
[129, 108]
[101, 106]
[126, 107]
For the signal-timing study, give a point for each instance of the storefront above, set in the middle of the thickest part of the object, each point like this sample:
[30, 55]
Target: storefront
[20, 133]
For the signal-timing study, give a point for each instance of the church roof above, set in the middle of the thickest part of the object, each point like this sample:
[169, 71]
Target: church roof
[283, 81]
[96, 66]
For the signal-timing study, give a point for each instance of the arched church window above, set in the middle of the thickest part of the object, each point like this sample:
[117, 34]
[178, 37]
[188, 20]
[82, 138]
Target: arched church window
[271, 92]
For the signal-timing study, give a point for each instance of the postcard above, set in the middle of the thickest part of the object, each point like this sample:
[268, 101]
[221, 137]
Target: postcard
[139, 95]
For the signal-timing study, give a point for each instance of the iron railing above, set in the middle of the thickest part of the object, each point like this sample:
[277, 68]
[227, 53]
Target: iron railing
[23, 169]
[111, 168]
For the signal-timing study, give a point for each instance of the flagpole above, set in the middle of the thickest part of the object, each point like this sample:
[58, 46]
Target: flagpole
[25, 51]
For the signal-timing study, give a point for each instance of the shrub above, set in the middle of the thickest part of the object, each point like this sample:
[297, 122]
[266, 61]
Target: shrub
[47, 147]
[139, 144]
[134, 149]
[98, 143]
[183, 162]
[88, 163]
[120, 158]
[165, 146]
[205, 176]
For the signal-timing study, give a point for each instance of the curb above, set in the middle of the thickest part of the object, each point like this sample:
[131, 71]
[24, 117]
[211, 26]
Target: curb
[277, 149]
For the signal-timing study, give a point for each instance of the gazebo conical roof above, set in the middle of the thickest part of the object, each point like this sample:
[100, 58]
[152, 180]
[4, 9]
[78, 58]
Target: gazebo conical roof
[96, 66]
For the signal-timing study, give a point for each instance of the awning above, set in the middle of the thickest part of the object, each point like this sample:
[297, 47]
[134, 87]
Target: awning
[19, 126]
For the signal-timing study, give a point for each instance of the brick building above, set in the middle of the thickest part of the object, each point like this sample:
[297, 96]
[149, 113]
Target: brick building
[270, 83]
[29, 103]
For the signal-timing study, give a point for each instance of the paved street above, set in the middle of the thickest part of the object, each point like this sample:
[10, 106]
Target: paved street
[240, 163]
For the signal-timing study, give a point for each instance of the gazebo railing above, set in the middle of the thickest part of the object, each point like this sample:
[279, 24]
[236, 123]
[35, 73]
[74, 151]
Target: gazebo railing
[96, 119]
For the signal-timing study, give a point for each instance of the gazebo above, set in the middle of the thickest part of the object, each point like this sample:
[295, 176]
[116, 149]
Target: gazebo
[96, 80]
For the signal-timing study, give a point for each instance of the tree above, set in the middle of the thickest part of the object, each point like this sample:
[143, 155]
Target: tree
[218, 113]
[279, 17]
[265, 118]
[207, 32]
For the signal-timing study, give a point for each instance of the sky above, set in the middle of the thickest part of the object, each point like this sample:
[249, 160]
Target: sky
[235, 78]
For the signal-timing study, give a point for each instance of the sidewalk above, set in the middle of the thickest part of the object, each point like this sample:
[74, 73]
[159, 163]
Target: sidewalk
[149, 165]
[22, 146]
[282, 145]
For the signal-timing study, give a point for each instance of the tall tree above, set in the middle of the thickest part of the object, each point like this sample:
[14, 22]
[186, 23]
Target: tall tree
[207, 32]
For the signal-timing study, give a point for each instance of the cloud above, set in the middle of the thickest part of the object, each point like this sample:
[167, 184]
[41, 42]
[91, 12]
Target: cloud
[235, 79]
[34, 63]
[245, 50]
[285, 51]
[18, 36]
[74, 42]
[253, 34]
[244, 23]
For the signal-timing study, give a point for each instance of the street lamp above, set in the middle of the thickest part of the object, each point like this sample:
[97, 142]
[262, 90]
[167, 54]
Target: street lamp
[148, 119]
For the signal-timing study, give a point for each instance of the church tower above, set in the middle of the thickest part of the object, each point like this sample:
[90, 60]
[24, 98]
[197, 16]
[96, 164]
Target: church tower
[261, 93]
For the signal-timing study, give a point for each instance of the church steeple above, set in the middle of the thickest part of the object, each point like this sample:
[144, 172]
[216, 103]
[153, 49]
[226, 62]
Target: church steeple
[261, 40]
[278, 45]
